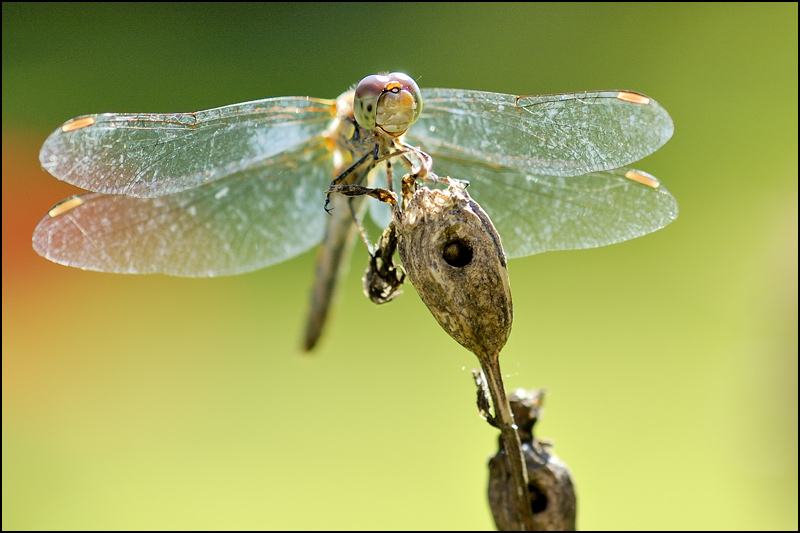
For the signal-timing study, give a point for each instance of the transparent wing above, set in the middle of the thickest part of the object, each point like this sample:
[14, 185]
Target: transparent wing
[151, 155]
[248, 220]
[554, 135]
[536, 213]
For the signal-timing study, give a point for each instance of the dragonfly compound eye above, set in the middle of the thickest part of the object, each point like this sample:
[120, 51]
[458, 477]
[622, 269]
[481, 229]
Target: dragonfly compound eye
[453, 257]
[391, 102]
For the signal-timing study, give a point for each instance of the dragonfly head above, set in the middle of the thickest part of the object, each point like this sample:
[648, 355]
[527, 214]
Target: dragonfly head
[391, 102]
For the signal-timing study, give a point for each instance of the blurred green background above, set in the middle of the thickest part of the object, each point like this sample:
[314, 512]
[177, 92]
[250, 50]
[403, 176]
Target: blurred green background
[162, 403]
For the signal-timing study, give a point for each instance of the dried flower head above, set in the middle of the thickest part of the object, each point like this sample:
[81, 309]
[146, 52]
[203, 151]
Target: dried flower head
[453, 257]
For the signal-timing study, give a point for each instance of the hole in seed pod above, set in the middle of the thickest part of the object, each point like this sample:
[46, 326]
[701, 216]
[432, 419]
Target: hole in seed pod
[457, 253]
[538, 498]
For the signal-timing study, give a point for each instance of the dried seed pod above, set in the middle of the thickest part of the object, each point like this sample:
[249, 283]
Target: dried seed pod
[551, 493]
[453, 257]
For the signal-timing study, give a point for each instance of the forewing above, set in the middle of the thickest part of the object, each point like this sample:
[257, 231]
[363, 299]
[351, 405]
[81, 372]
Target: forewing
[554, 135]
[151, 155]
[245, 221]
[536, 213]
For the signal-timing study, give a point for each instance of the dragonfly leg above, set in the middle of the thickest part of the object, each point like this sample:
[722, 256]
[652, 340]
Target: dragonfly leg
[389, 176]
[350, 175]
[359, 226]
[384, 195]
[422, 167]
[419, 170]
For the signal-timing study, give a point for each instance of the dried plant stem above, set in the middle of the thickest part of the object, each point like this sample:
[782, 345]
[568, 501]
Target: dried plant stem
[504, 421]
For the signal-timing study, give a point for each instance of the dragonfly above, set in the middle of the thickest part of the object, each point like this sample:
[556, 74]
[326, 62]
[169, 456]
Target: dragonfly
[238, 188]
